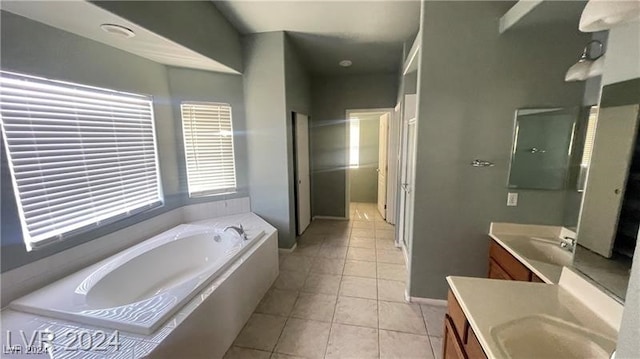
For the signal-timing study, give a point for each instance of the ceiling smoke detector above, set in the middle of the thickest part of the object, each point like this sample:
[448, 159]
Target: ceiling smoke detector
[345, 63]
[118, 30]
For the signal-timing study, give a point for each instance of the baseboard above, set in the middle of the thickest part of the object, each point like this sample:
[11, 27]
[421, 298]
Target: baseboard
[288, 250]
[332, 218]
[428, 301]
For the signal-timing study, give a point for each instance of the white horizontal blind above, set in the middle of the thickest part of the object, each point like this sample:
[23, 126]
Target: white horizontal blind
[208, 143]
[79, 156]
[590, 136]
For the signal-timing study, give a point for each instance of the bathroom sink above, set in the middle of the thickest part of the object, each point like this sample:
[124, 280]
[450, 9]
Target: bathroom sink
[543, 250]
[541, 336]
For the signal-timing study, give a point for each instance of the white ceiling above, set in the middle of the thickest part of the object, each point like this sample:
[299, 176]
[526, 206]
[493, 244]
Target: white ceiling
[370, 33]
[147, 44]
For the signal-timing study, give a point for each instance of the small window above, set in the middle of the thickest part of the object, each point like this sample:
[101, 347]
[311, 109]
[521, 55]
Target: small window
[79, 156]
[354, 142]
[208, 145]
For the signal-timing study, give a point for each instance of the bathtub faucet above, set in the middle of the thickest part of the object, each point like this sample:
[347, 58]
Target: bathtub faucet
[239, 229]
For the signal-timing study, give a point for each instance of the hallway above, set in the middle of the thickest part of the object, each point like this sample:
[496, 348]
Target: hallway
[341, 294]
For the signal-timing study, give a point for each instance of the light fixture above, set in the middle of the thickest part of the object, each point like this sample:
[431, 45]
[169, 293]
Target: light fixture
[345, 63]
[118, 30]
[588, 65]
[601, 15]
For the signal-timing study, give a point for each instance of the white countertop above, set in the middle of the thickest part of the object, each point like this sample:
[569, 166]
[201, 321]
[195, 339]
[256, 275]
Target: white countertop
[491, 304]
[509, 235]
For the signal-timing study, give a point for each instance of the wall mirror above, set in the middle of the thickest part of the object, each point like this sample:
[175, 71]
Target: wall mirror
[542, 145]
[610, 215]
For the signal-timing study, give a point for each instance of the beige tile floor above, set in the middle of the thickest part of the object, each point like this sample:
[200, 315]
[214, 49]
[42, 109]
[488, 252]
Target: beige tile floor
[340, 294]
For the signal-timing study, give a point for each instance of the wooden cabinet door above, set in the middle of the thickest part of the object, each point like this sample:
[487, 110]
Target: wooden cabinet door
[496, 272]
[452, 345]
[472, 347]
[509, 263]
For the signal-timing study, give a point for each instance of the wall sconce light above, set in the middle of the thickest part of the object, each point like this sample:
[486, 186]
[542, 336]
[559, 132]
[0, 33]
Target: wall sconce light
[588, 65]
[601, 15]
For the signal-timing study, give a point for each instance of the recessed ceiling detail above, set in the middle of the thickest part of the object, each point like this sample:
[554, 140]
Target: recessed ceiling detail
[85, 19]
[369, 33]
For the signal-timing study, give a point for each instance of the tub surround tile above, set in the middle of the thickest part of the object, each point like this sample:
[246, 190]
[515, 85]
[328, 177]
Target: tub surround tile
[359, 287]
[277, 302]
[391, 271]
[306, 338]
[360, 269]
[318, 307]
[361, 254]
[357, 311]
[346, 341]
[402, 317]
[261, 332]
[404, 345]
[434, 317]
[244, 353]
[391, 290]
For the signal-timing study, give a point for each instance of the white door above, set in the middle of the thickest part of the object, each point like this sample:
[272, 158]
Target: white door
[393, 163]
[407, 169]
[408, 183]
[604, 192]
[303, 186]
[382, 165]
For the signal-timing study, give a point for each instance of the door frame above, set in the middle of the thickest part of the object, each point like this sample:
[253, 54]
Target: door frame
[347, 180]
[294, 149]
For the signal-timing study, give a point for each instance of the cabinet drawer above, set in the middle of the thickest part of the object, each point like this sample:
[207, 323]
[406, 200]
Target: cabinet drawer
[509, 263]
[459, 320]
[496, 272]
[473, 347]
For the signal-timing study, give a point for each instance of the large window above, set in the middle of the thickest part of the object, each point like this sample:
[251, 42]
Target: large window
[208, 144]
[79, 156]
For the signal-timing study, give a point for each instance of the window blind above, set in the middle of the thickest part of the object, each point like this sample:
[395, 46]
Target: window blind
[590, 136]
[208, 143]
[79, 156]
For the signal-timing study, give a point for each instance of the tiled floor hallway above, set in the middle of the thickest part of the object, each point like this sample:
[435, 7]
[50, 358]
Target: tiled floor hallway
[340, 294]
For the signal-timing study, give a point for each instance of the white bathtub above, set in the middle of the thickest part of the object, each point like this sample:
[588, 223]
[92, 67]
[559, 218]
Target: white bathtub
[138, 289]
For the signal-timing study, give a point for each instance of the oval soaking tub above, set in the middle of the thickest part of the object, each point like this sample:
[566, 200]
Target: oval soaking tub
[139, 288]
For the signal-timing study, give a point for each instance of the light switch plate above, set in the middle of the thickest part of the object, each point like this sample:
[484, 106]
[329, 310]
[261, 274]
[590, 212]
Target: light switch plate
[512, 199]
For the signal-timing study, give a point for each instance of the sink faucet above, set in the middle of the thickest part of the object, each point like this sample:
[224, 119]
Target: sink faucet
[568, 243]
[238, 229]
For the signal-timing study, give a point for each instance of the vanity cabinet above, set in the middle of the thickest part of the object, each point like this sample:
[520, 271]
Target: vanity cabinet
[460, 342]
[502, 265]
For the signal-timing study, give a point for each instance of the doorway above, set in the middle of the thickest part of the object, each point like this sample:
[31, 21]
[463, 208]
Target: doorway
[367, 175]
[302, 171]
